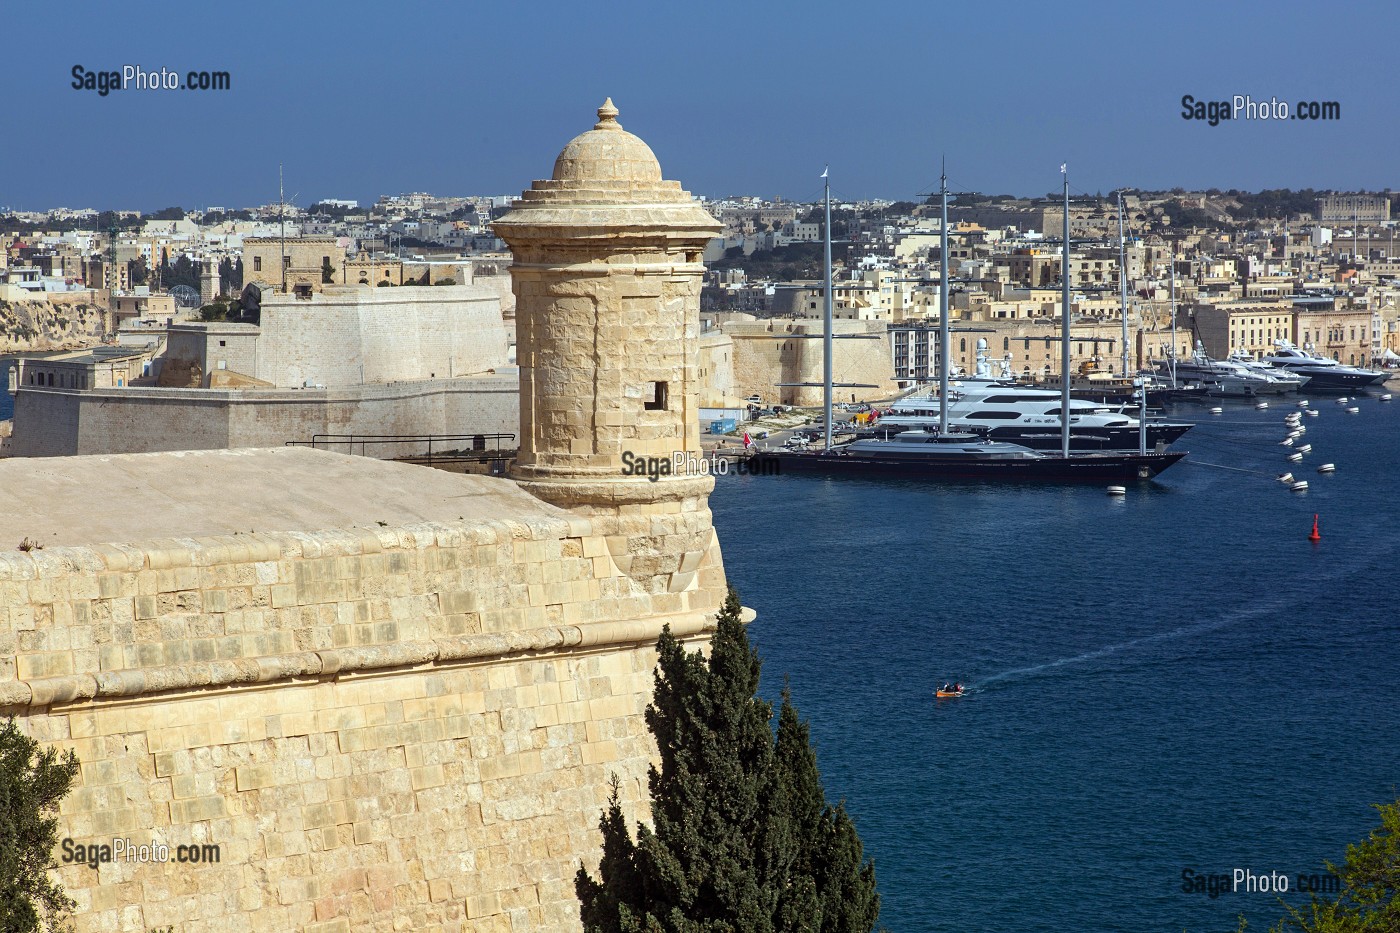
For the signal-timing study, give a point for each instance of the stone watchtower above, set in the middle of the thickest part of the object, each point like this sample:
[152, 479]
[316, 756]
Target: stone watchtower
[607, 274]
[209, 282]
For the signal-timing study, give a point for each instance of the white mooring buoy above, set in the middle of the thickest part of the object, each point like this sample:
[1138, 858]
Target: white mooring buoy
[1117, 490]
[1261, 405]
[1216, 411]
[1353, 410]
[1295, 458]
[1305, 449]
[1327, 468]
[1299, 486]
[1285, 478]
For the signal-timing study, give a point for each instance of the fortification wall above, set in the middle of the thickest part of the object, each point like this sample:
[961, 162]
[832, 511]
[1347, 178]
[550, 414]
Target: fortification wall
[138, 419]
[763, 358]
[410, 727]
[349, 335]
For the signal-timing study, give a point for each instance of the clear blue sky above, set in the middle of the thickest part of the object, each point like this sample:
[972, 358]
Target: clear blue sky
[359, 99]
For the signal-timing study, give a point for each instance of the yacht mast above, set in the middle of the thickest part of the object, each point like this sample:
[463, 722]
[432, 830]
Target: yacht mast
[1123, 281]
[1064, 325]
[826, 314]
[1171, 354]
[943, 328]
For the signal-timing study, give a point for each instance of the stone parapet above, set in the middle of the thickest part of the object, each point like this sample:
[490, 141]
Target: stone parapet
[113, 620]
[410, 727]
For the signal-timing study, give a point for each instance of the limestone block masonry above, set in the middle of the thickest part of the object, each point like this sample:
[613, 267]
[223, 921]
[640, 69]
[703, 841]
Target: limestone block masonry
[607, 272]
[392, 696]
[409, 725]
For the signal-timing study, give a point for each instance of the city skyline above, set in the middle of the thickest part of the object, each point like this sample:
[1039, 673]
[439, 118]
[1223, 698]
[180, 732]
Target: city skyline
[739, 99]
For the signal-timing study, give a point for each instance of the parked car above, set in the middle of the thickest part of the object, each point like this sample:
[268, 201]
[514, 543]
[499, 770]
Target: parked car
[754, 400]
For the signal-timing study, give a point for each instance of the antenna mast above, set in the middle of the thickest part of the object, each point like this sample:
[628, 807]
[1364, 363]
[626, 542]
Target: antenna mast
[282, 217]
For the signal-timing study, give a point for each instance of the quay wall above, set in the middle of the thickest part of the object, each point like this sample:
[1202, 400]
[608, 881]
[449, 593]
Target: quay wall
[407, 728]
[53, 422]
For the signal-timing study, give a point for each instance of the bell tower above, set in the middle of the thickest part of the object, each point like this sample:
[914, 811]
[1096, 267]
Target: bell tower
[607, 272]
[209, 281]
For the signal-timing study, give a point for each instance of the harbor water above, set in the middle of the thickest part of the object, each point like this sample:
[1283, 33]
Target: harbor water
[7, 402]
[1175, 680]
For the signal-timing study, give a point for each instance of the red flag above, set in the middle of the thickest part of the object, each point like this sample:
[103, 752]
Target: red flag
[747, 442]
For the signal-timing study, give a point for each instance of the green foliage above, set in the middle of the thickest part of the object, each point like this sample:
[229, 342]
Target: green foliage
[1186, 215]
[218, 217]
[1370, 886]
[793, 261]
[1276, 202]
[137, 272]
[218, 311]
[743, 839]
[231, 275]
[333, 211]
[32, 782]
[167, 213]
[182, 271]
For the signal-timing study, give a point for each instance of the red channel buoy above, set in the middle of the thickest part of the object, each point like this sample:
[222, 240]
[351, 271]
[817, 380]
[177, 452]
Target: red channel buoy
[1315, 535]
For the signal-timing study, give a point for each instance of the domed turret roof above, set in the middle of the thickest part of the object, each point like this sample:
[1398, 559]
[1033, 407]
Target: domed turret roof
[607, 184]
[607, 153]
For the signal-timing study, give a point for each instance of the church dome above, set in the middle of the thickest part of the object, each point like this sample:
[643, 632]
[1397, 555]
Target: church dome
[607, 153]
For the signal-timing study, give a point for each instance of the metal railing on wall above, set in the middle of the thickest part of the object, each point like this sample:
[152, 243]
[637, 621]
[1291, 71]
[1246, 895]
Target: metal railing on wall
[420, 448]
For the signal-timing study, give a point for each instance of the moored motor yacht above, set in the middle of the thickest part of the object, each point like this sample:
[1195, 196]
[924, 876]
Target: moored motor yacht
[1225, 377]
[1322, 372]
[1294, 380]
[1018, 414]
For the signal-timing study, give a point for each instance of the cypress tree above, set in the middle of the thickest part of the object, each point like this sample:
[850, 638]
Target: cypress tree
[743, 840]
[32, 782]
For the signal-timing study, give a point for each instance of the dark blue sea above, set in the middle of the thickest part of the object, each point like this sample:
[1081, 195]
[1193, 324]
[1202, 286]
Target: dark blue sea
[7, 404]
[1174, 680]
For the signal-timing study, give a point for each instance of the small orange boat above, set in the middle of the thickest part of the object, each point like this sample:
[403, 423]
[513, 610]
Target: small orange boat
[945, 694]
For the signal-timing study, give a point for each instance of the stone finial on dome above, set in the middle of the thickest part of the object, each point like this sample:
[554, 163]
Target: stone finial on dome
[607, 117]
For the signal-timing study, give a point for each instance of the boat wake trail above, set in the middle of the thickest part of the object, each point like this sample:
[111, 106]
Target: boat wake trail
[1230, 618]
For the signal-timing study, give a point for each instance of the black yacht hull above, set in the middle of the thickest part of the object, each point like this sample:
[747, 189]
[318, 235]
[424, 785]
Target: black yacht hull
[1323, 380]
[1082, 440]
[1079, 468]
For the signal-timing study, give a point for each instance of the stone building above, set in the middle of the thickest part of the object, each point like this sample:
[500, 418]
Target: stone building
[300, 262]
[343, 360]
[1341, 334]
[392, 696]
[1353, 208]
[1248, 326]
